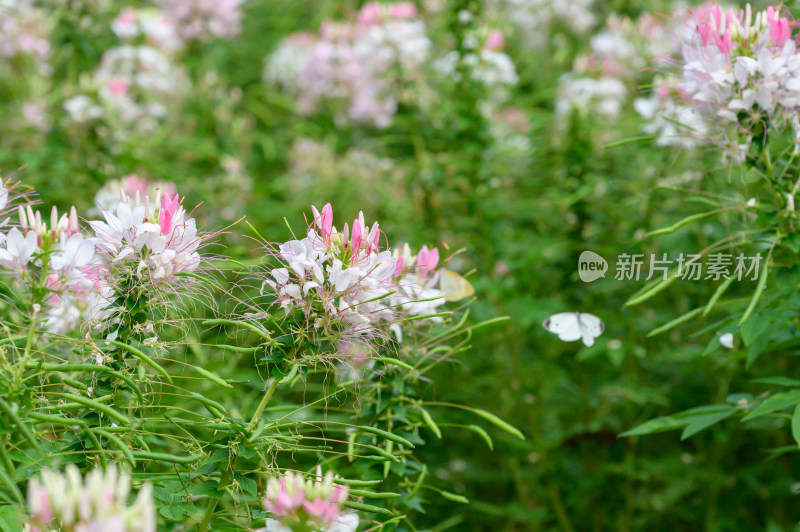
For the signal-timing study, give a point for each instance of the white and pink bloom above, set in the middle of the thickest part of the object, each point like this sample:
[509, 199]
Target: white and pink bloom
[149, 25]
[204, 19]
[358, 67]
[107, 197]
[68, 503]
[313, 503]
[131, 90]
[739, 75]
[63, 255]
[158, 237]
[349, 284]
[25, 32]
[346, 272]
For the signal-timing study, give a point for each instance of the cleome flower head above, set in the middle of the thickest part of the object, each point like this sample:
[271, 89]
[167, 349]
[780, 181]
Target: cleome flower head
[315, 504]
[159, 237]
[740, 77]
[339, 279]
[351, 289]
[68, 503]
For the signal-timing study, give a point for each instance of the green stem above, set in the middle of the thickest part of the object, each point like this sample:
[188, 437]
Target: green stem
[263, 404]
[20, 370]
[212, 504]
[6, 460]
[775, 191]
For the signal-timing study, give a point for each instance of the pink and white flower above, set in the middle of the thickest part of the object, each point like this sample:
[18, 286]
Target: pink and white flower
[293, 500]
[66, 502]
[159, 237]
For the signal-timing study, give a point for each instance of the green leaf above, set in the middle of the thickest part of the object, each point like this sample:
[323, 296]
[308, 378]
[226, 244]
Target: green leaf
[10, 519]
[172, 512]
[796, 424]
[703, 421]
[248, 485]
[762, 281]
[659, 424]
[674, 323]
[758, 344]
[778, 381]
[779, 401]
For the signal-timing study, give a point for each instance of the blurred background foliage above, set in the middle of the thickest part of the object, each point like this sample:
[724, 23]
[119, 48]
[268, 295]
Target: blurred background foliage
[523, 215]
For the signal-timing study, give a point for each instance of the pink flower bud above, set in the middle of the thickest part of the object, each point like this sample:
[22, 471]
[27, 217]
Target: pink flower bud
[427, 260]
[117, 86]
[495, 41]
[403, 10]
[370, 14]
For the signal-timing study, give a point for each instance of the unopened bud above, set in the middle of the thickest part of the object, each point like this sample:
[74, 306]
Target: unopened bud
[73, 219]
[23, 219]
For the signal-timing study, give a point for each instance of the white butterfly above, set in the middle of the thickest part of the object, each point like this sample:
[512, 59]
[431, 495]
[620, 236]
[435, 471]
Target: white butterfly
[454, 286]
[572, 326]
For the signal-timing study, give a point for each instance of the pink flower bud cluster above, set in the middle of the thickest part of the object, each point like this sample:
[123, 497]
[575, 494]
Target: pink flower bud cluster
[315, 504]
[417, 280]
[68, 503]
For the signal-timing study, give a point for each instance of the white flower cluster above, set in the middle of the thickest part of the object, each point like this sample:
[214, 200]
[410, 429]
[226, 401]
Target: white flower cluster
[150, 25]
[25, 31]
[740, 78]
[345, 282]
[131, 89]
[537, 19]
[671, 119]
[158, 239]
[79, 273]
[598, 83]
[204, 19]
[347, 273]
[486, 62]
[67, 503]
[360, 65]
[59, 256]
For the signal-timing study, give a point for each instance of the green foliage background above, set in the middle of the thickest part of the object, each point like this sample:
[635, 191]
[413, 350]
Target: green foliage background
[533, 212]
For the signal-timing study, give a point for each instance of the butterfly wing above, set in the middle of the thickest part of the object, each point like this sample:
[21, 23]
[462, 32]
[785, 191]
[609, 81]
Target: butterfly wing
[454, 286]
[565, 325]
[590, 328]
